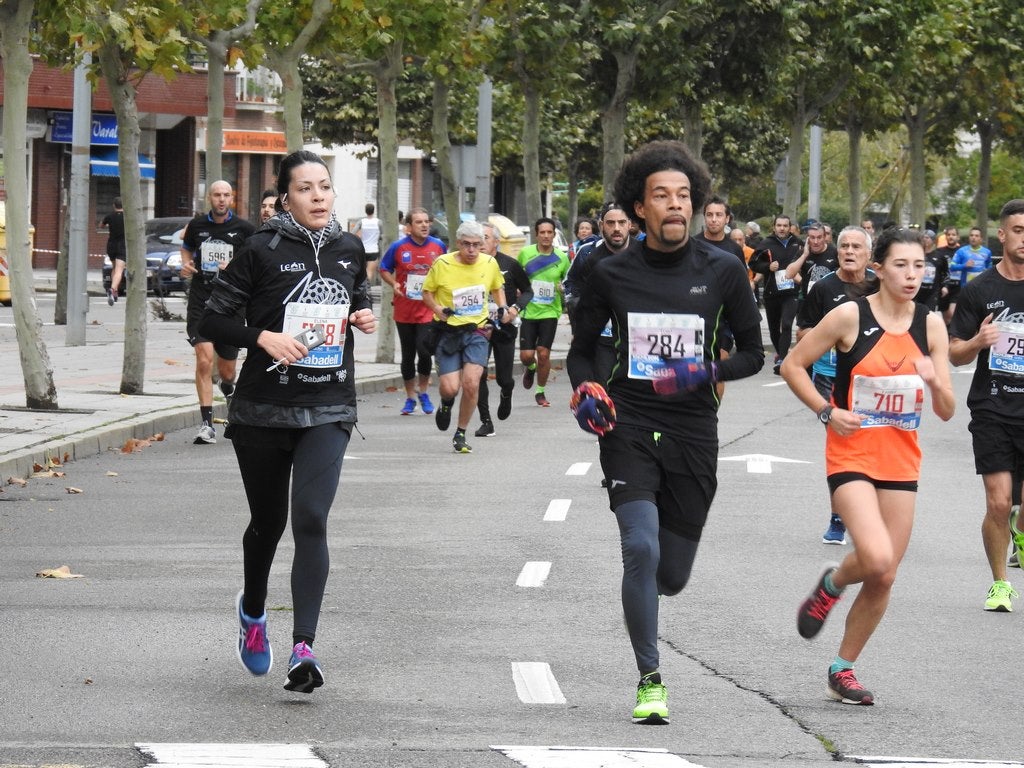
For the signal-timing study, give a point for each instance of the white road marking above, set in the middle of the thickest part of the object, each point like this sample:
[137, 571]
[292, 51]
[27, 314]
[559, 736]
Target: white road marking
[760, 463]
[557, 510]
[534, 574]
[240, 755]
[911, 762]
[593, 757]
[579, 468]
[535, 684]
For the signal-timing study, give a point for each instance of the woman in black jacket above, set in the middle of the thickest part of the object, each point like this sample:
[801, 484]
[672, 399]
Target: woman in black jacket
[294, 406]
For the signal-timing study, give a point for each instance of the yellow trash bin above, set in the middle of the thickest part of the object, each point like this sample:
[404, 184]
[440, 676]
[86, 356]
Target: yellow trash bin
[5, 269]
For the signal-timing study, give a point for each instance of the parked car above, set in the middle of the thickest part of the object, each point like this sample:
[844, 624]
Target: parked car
[163, 257]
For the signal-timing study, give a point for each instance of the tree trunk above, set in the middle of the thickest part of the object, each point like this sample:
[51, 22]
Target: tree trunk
[216, 55]
[15, 25]
[854, 134]
[917, 125]
[386, 74]
[443, 153]
[123, 95]
[613, 118]
[531, 152]
[794, 166]
[693, 128]
[986, 132]
[291, 100]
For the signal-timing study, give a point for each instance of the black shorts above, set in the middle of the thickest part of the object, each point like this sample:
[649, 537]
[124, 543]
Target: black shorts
[372, 256]
[193, 314]
[538, 333]
[952, 291]
[998, 443]
[678, 475]
[842, 478]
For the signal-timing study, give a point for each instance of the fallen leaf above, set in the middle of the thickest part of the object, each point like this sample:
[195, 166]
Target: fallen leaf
[19, 481]
[53, 461]
[88, 681]
[158, 437]
[169, 361]
[133, 444]
[37, 467]
[112, 474]
[72, 489]
[48, 473]
[63, 572]
[390, 389]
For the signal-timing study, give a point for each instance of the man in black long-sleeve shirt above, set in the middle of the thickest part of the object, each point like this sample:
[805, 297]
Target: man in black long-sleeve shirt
[518, 293]
[667, 299]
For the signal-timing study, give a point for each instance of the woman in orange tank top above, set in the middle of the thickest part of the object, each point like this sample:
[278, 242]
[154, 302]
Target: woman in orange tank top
[889, 350]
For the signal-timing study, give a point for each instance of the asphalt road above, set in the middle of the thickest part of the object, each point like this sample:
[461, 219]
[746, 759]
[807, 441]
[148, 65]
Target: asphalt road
[425, 632]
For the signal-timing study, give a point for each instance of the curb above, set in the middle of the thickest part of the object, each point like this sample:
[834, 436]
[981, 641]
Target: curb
[112, 436]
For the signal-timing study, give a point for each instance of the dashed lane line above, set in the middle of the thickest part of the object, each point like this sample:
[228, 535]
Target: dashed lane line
[534, 574]
[535, 683]
[234, 755]
[557, 510]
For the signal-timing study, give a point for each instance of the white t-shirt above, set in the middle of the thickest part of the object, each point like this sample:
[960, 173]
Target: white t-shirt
[369, 230]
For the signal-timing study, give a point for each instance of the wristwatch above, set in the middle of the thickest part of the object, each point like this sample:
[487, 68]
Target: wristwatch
[825, 414]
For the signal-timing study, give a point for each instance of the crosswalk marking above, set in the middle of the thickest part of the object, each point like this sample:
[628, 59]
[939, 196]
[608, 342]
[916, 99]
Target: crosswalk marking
[579, 468]
[557, 510]
[534, 574]
[873, 761]
[592, 757]
[535, 683]
[232, 755]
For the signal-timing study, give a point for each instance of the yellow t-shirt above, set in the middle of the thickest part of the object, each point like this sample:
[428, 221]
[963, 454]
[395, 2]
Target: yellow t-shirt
[466, 288]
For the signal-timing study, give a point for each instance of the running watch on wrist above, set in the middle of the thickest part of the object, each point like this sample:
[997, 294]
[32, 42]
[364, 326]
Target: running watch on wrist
[825, 414]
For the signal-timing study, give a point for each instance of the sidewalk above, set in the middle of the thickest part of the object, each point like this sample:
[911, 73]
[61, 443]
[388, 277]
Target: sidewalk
[93, 417]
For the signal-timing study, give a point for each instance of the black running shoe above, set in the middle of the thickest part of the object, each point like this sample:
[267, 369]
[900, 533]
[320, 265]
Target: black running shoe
[528, 375]
[815, 609]
[459, 443]
[504, 406]
[443, 416]
[486, 429]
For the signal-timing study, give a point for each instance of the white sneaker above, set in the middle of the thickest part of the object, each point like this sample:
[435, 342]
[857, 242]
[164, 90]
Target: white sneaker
[206, 435]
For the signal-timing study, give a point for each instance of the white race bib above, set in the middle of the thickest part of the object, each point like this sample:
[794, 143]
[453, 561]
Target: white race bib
[782, 282]
[333, 317]
[655, 339]
[414, 286]
[214, 255]
[1007, 354]
[469, 301]
[543, 291]
[889, 401]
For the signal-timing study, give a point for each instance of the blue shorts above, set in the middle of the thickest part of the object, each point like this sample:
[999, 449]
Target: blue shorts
[456, 349]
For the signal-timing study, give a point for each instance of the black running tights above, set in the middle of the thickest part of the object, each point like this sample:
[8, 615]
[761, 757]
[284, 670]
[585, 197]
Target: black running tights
[311, 458]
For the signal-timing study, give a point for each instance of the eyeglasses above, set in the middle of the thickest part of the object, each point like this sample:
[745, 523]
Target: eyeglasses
[470, 245]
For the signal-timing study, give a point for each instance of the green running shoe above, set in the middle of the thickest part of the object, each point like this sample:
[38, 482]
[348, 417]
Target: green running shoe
[1016, 536]
[999, 596]
[651, 701]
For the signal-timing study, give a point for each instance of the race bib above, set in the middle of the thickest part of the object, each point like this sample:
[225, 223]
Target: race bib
[469, 301]
[214, 255]
[656, 339]
[333, 317]
[1007, 354]
[414, 286]
[543, 291]
[889, 401]
[929, 274]
[782, 282]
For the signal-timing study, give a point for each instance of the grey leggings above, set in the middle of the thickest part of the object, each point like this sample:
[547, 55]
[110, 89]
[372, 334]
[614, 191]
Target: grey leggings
[311, 458]
[655, 562]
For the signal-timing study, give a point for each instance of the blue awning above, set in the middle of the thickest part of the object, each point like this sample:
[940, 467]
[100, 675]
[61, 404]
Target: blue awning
[103, 162]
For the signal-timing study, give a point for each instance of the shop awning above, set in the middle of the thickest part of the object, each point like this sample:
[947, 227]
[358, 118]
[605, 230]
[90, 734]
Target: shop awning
[103, 162]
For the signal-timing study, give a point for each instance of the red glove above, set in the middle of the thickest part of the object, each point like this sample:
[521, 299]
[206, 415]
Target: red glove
[685, 375]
